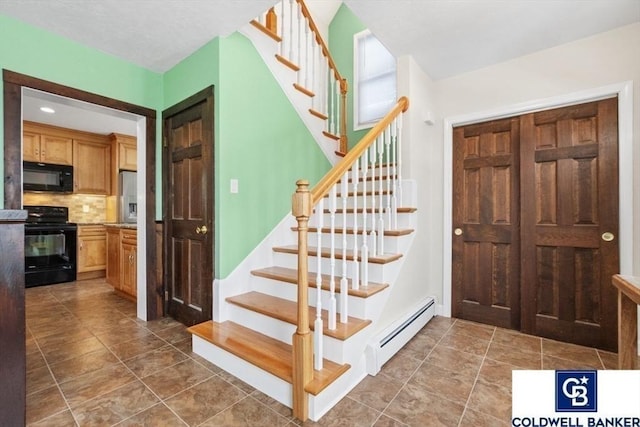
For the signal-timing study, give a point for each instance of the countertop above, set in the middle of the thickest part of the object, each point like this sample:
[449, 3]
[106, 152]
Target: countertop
[121, 225]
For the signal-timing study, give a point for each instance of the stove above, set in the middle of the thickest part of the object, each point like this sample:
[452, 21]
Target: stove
[49, 246]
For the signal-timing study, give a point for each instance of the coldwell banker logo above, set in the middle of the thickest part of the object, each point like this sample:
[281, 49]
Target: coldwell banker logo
[576, 391]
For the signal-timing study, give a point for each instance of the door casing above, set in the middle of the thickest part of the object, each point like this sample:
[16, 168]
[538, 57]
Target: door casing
[624, 92]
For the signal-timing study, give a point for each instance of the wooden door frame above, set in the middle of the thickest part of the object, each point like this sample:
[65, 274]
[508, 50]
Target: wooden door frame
[624, 92]
[13, 83]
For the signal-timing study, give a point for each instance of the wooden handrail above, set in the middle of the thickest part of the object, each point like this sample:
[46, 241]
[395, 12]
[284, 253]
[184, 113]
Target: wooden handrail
[323, 45]
[333, 176]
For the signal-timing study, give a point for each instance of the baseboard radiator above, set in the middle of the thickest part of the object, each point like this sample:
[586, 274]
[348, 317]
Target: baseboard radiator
[387, 343]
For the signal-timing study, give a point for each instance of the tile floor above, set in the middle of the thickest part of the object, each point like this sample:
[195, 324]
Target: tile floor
[91, 362]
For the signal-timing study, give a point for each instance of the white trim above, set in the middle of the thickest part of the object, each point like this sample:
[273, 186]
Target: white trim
[624, 91]
[141, 273]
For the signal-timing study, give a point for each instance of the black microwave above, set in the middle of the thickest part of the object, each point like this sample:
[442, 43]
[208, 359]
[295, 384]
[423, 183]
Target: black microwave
[47, 177]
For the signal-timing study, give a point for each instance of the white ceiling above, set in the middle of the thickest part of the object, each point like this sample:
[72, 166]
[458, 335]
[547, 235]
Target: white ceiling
[446, 37]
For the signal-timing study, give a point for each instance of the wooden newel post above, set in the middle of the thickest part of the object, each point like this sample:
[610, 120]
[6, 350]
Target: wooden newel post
[302, 338]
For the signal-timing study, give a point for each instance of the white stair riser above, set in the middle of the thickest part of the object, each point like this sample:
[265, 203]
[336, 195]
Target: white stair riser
[362, 308]
[404, 220]
[392, 244]
[334, 349]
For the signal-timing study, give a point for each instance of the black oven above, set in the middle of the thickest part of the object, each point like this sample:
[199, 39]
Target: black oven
[47, 177]
[49, 246]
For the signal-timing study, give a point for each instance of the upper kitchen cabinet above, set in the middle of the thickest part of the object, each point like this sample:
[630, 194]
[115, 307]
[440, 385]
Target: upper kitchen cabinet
[125, 152]
[91, 166]
[41, 144]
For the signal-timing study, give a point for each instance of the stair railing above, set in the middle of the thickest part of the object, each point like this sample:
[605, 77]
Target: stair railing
[303, 49]
[376, 158]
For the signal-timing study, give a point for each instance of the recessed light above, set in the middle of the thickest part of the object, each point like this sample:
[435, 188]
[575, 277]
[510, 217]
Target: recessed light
[48, 110]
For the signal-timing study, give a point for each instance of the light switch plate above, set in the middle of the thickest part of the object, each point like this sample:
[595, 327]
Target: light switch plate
[234, 186]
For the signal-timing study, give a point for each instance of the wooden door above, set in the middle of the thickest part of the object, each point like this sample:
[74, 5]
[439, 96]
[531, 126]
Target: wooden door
[189, 235]
[543, 263]
[570, 174]
[486, 250]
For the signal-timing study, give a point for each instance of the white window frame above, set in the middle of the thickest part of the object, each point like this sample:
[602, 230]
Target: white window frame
[358, 124]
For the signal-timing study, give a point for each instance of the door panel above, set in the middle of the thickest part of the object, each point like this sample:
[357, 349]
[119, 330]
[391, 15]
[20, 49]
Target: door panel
[569, 163]
[532, 198]
[189, 209]
[486, 250]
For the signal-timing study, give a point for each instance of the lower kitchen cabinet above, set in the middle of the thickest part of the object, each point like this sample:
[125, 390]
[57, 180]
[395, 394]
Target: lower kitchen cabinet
[92, 251]
[122, 259]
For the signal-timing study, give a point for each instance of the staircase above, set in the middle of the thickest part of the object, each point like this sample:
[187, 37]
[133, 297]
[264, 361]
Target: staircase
[306, 338]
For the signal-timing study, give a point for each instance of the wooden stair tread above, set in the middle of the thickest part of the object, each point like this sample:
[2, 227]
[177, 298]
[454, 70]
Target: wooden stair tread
[318, 114]
[266, 31]
[371, 210]
[326, 253]
[287, 63]
[287, 311]
[304, 90]
[264, 352]
[338, 230]
[290, 275]
[332, 136]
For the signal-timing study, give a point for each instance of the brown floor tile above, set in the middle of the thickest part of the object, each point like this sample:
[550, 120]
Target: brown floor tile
[498, 373]
[385, 421]
[464, 342]
[174, 334]
[455, 386]
[276, 406]
[347, 412]
[514, 356]
[551, 362]
[420, 346]
[201, 402]
[491, 398]
[417, 407]
[162, 323]
[236, 382]
[609, 360]
[61, 419]
[44, 403]
[63, 337]
[248, 412]
[157, 415]
[71, 368]
[35, 360]
[117, 335]
[154, 361]
[129, 349]
[113, 407]
[571, 352]
[377, 391]
[472, 418]
[518, 340]
[400, 367]
[437, 326]
[87, 386]
[38, 379]
[176, 378]
[455, 360]
[64, 351]
[472, 329]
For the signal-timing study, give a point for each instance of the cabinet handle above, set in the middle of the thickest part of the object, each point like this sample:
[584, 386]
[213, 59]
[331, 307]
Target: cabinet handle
[81, 244]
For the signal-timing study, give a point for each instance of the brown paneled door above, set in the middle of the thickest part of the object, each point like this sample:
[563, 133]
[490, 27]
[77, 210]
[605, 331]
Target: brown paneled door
[567, 222]
[189, 209]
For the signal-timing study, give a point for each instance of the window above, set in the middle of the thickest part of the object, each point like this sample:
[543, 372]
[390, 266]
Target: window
[375, 80]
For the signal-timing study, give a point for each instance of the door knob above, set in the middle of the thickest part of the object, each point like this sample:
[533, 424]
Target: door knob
[608, 236]
[201, 230]
[458, 231]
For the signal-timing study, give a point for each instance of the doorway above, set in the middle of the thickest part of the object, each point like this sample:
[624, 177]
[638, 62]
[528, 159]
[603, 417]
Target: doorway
[535, 212]
[189, 208]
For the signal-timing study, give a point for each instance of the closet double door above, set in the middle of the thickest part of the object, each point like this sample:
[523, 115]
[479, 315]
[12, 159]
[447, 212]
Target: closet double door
[535, 223]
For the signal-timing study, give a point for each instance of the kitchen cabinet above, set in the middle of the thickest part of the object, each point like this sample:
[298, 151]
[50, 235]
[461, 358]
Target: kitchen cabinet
[92, 167]
[39, 146]
[125, 151]
[113, 256]
[122, 259]
[92, 251]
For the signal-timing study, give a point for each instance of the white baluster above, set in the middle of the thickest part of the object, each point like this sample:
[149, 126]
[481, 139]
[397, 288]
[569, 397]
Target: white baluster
[364, 164]
[300, 64]
[387, 141]
[282, 20]
[355, 177]
[307, 65]
[399, 160]
[313, 74]
[318, 326]
[291, 20]
[372, 160]
[394, 187]
[380, 245]
[332, 260]
[344, 283]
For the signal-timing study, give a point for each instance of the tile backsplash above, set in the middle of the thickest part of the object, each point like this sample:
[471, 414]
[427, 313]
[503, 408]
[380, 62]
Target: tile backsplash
[83, 208]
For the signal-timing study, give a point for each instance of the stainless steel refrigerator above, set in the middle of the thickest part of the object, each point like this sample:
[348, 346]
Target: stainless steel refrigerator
[127, 200]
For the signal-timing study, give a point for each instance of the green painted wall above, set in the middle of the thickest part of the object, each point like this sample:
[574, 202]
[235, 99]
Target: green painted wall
[341, 30]
[29, 50]
[259, 140]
